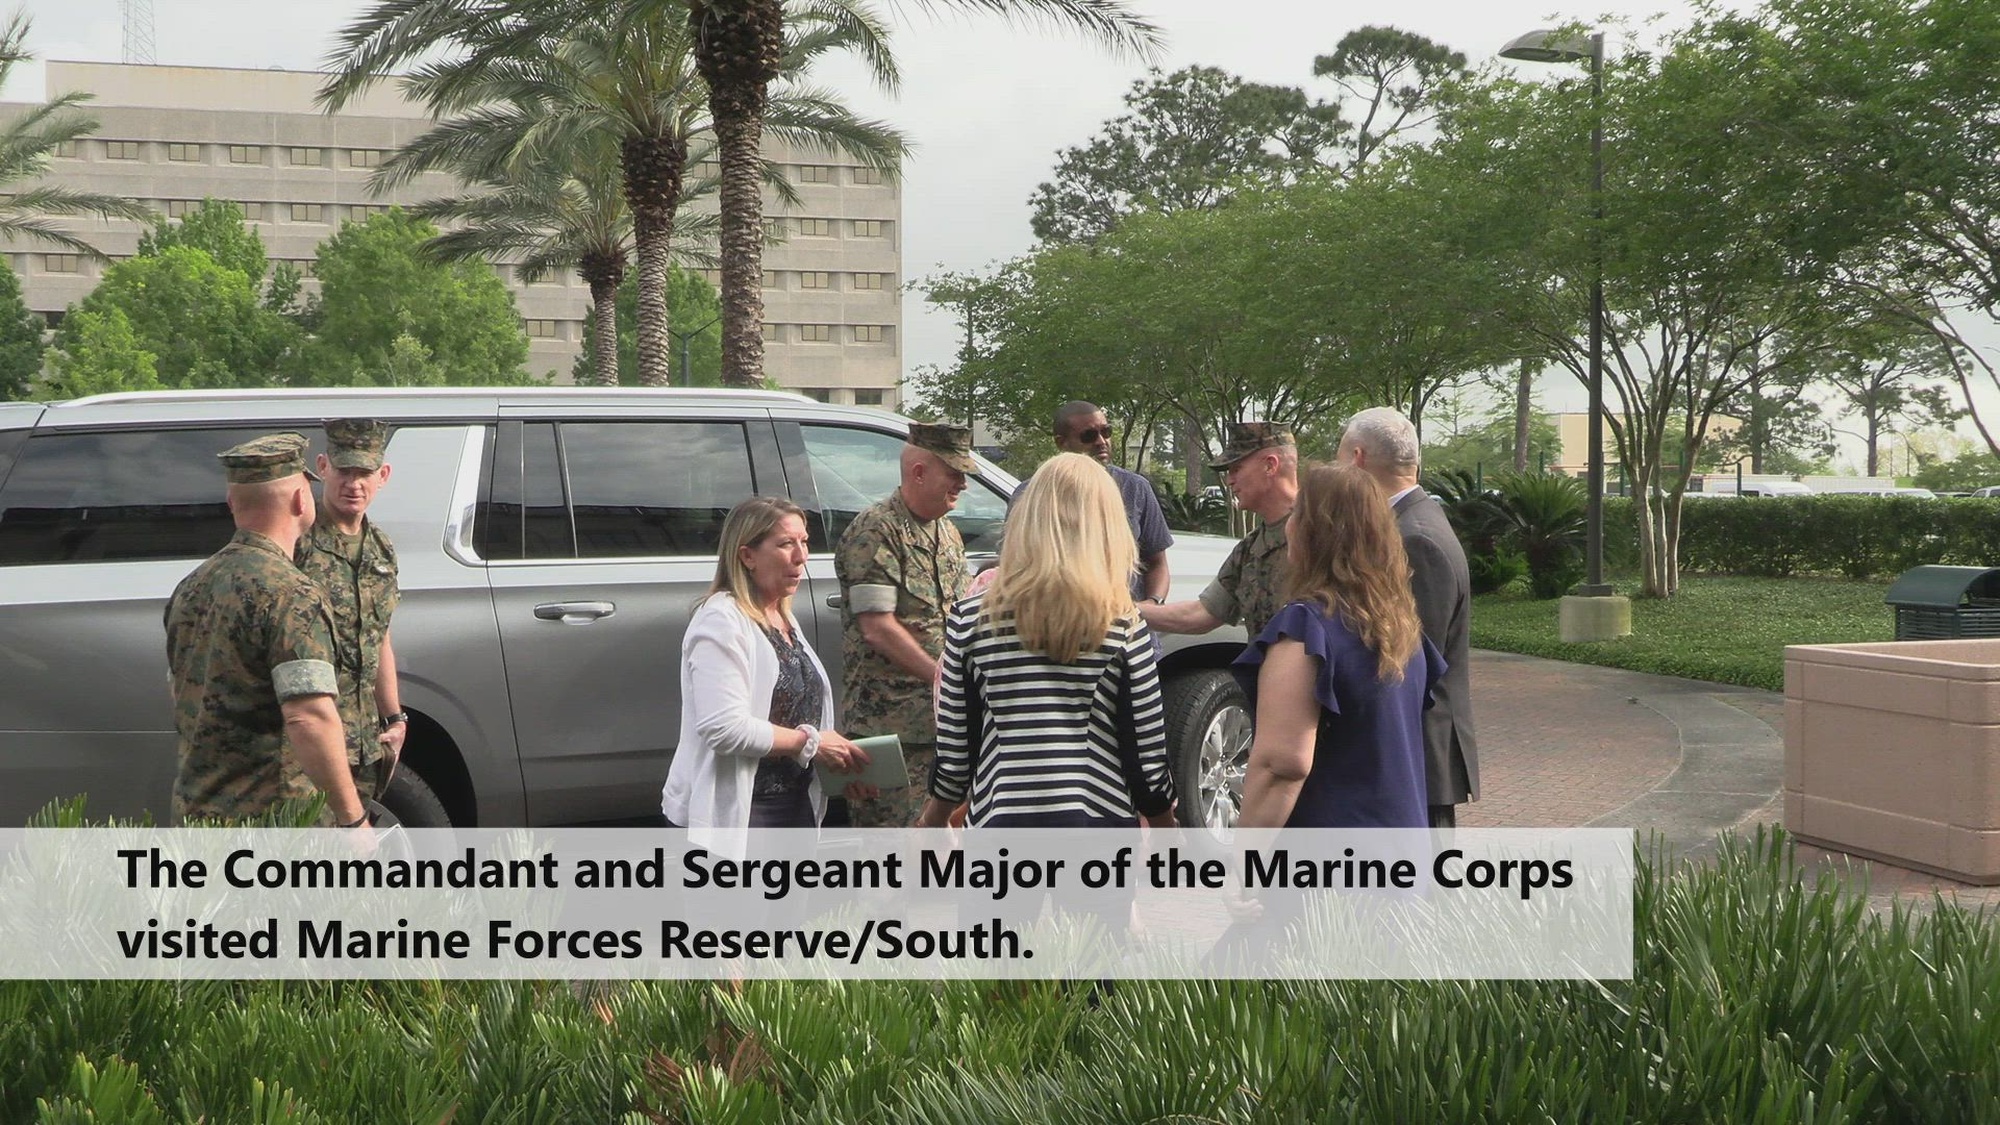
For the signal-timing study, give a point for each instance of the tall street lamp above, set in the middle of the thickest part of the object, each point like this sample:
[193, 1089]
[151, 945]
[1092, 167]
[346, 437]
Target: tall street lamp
[1595, 622]
[686, 340]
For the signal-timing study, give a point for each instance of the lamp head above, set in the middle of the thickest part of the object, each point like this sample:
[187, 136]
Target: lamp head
[1547, 46]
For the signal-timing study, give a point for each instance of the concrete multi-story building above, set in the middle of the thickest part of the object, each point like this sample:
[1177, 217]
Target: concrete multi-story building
[170, 136]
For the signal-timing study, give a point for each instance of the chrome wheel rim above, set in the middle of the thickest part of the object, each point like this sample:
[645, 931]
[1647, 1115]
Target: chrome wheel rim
[1225, 759]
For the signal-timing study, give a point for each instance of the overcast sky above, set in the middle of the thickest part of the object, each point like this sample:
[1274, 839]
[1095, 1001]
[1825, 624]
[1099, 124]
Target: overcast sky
[987, 105]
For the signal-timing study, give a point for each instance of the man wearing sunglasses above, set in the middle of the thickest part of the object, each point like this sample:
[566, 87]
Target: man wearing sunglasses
[1081, 428]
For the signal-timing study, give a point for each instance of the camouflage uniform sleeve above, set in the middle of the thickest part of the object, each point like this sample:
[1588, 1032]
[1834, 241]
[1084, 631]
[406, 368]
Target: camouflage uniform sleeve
[869, 566]
[1220, 597]
[301, 653]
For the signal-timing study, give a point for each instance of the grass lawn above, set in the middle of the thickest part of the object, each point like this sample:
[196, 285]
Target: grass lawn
[1729, 630]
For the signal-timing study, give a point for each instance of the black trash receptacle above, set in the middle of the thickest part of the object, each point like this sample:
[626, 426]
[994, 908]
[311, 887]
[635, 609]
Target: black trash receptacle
[1942, 602]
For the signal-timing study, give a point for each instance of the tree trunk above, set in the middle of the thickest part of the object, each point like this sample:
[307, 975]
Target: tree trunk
[652, 167]
[1874, 439]
[603, 273]
[1524, 408]
[738, 45]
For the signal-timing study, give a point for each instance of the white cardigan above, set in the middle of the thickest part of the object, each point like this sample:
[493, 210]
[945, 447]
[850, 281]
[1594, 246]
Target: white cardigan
[728, 673]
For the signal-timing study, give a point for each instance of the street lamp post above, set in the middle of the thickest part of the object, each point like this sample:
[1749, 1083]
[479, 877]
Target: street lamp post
[1554, 46]
[685, 339]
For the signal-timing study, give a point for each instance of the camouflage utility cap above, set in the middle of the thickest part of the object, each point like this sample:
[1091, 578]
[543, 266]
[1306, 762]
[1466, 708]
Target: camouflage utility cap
[268, 458]
[356, 443]
[1246, 438]
[952, 444]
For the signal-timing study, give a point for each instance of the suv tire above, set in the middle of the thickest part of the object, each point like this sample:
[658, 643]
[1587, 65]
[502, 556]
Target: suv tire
[412, 802]
[1208, 740]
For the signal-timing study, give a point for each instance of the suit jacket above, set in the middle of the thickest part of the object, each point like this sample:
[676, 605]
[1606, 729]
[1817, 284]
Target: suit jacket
[1443, 588]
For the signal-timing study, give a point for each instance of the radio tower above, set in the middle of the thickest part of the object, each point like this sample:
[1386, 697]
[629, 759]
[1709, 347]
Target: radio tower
[138, 18]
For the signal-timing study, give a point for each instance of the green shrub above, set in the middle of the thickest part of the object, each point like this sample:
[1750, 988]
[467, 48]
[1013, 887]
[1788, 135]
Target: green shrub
[1758, 995]
[1543, 518]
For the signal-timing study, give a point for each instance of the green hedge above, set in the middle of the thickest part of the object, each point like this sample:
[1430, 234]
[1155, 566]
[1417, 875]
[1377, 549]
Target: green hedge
[1757, 996]
[1849, 536]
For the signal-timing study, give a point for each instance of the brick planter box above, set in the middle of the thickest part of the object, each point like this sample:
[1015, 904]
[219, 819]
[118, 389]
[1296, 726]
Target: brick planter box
[1892, 751]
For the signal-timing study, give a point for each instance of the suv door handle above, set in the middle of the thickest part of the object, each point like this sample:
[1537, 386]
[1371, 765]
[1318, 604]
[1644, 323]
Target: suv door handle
[575, 613]
[835, 601]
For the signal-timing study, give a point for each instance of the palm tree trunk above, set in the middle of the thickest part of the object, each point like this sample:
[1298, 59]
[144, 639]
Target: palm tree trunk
[738, 140]
[738, 47]
[1524, 409]
[603, 273]
[652, 166]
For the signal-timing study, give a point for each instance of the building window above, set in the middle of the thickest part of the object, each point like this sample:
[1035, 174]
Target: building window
[869, 396]
[868, 228]
[774, 231]
[773, 333]
[714, 277]
[246, 154]
[179, 208]
[253, 211]
[541, 329]
[305, 157]
[68, 150]
[121, 150]
[869, 176]
[816, 333]
[184, 153]
[815, 279]
[364, 158]
[62, 263]
[362, 212]
[771, 279]
[817, 394]
[815, 174]
[817, 228]
[870, 280]
[306, 213]
[307, 267]
[869, 334]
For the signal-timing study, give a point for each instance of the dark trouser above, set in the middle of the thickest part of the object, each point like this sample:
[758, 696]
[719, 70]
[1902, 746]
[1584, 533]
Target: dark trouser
[1444, 816]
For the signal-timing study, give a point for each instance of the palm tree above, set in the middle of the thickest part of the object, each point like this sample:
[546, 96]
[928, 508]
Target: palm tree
[26, 143]
[739, 46]
[532, 77]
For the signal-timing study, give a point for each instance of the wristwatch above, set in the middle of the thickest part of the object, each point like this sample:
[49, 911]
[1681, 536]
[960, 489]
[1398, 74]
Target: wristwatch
[1157, 601]
[391, 720]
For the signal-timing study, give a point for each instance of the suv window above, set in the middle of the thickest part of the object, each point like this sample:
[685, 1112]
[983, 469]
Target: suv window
[119, 496]
[853, 468]
[616, 489]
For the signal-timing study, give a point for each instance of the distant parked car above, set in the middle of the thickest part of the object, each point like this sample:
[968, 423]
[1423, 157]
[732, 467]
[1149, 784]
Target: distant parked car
[1919, 493]
[1989, 490]
[1773, 488]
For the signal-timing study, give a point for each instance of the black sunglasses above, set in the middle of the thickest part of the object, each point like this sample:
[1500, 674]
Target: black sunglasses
[1092, 435]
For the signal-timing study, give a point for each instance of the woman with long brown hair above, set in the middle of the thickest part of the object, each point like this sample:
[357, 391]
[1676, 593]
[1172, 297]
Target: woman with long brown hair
[1339, 679]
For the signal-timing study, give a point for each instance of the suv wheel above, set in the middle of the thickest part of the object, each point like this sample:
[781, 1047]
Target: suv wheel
[411, 801]
[1208, 735]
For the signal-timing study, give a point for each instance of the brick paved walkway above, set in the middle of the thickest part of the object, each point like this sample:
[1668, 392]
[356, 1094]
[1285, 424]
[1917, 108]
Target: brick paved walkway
[1565, 744]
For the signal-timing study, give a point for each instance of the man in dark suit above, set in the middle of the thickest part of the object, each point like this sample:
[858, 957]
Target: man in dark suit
[1383, 443]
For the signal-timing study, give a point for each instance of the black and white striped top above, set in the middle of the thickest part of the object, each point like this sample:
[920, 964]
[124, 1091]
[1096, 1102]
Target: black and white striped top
[1046, 743]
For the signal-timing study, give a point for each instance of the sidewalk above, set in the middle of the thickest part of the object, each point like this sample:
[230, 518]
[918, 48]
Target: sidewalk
[1574, 744]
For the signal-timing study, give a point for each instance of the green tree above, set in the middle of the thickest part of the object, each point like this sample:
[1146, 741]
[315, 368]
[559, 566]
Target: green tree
[202, 322]
[27, 139]
[1880, 380]
[378, 283]
[1394, 78]
[100, 354]
[1189, 140]
[1487, 445]
[20, 339]
[693, 303]
[216, 227]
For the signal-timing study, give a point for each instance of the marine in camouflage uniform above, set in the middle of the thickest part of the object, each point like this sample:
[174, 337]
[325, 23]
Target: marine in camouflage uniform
[891, 561]
[358, 574]
[1250, 586]
[246, 632]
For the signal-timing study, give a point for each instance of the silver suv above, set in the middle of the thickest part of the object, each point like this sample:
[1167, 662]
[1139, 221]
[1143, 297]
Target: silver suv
[552, 544]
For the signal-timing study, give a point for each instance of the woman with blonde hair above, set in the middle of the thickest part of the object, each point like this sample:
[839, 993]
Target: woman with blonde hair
[1049, 709]
[755, 705]
[1339, 679]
